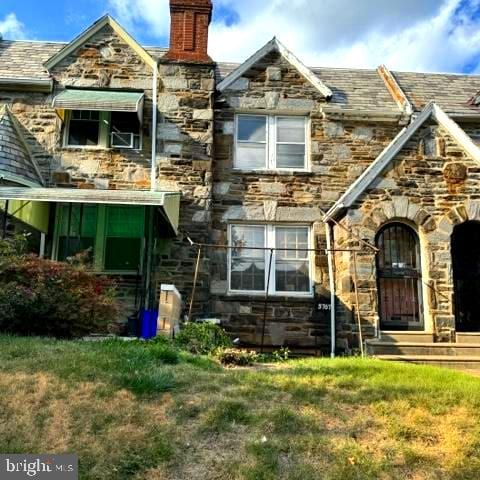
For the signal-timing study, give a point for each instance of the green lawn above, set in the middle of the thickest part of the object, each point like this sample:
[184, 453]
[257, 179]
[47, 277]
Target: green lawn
[144, 412]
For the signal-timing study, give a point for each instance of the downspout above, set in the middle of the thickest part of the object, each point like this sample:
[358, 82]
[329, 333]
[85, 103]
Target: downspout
[328, 231]
[153, 172]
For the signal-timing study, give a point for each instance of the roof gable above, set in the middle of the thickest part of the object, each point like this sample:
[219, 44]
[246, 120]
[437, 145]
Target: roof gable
[81, 39]
[391, 151]
[16, 162]
[275, 45]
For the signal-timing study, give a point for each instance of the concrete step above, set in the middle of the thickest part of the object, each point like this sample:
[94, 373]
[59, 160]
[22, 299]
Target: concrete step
[416, 337]
[465, 363]
[468, 337]
[379, 347]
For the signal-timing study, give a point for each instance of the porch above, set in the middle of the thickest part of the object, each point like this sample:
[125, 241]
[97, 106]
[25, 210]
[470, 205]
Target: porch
[119, 234]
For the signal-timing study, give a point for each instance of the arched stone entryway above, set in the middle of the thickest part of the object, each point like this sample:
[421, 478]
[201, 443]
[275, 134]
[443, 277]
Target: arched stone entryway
[399, 278]
[465, 248]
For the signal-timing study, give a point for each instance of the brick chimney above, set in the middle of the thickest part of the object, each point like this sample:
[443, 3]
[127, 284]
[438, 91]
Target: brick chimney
[190, 20]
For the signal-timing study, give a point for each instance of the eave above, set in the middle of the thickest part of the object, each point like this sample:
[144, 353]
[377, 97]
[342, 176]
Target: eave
[26, 84]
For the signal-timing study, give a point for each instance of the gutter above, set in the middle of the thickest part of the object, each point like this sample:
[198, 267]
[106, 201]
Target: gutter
[30, 84]
[153, 172]
[328, 231]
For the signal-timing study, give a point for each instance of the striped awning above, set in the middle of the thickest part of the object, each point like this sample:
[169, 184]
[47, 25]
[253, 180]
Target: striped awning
[101, 100]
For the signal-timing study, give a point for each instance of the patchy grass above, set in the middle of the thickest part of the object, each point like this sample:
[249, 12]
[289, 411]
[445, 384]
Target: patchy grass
[148, 411]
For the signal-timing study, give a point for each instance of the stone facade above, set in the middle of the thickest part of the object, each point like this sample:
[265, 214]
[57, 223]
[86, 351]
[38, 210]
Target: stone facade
[430, 185]
[339, 152]
[431, 190]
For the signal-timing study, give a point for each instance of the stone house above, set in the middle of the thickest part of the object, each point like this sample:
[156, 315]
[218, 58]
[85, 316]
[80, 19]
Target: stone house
[312, 200]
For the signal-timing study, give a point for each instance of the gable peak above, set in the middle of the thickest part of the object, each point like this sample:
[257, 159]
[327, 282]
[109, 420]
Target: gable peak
[275, 45]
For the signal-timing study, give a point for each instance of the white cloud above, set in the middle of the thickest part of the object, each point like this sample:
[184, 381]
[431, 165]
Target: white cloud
[11, 27]
[427, 35]
[154, 13]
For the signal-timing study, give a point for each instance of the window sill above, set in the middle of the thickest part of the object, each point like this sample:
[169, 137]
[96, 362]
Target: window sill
[100, 148]
[285, 173]
[278, 297]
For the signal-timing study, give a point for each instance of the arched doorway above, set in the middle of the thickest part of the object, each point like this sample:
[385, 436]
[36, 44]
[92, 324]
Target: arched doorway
[399, 278]
[466, 276]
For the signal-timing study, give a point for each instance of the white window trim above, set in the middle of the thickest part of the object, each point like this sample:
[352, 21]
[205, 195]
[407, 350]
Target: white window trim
[270, 240]
[104, 135]
[271, 143]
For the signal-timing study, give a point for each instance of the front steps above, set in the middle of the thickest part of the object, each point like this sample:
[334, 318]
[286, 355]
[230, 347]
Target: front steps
[465, 356]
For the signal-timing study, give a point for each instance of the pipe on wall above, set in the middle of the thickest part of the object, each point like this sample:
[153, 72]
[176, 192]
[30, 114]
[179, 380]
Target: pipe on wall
[153, 172]
[328, 231]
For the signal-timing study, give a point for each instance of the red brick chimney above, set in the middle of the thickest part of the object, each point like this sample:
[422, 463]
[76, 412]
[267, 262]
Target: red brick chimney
[190, 20]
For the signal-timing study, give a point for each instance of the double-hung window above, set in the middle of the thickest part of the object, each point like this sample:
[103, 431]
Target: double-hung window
[271, 142]
[249, 260]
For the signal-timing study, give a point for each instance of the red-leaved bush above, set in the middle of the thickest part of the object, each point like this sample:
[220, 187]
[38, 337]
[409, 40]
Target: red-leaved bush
[43, 297]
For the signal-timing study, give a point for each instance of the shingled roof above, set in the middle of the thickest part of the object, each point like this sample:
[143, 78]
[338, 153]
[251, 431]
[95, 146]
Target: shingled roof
[26, 59]
[353, 89]
[364, 89]
[16, 163]
[451, 92]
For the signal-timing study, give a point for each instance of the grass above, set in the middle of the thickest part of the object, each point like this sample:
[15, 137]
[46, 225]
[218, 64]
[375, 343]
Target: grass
[147, 411]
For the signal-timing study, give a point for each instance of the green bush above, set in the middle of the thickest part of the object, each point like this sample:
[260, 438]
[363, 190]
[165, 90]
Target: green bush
[277, 356]
[236, 356]
[42, 297]
[202, 338]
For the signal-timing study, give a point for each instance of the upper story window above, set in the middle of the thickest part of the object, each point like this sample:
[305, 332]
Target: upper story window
[271, 142]
[84, 128]
[89, 128]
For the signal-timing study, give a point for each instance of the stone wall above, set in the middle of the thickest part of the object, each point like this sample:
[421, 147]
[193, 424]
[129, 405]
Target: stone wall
[432, 185]
[105, 62]
[185, 149]
[339, 152]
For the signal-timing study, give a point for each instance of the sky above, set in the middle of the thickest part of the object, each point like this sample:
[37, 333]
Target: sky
[409, 35]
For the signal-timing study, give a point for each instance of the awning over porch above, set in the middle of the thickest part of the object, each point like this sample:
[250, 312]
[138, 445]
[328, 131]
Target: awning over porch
[100, 100]
[169, 202]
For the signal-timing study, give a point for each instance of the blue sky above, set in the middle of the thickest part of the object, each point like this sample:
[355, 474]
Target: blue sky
[60, 20]
[419, 35]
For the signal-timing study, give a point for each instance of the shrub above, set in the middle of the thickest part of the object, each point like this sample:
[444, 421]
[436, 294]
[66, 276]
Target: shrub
[236, 356]
[42, 297]
[277, 356]
[202, 338]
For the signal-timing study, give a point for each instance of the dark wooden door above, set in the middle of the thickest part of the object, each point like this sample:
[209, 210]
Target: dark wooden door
[466, 276]
[399, 278]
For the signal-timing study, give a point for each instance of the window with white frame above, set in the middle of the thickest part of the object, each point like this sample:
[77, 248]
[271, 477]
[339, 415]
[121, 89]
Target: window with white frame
[271, 142]
[89, 128]
[249, 260]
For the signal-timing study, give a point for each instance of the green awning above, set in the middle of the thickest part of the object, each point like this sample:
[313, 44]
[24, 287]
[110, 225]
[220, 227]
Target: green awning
[35, 214]
[169, 202]
[101, 100]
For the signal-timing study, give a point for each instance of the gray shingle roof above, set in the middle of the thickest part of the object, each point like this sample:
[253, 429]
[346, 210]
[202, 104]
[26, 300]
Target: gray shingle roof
[22, 59]
[25, 59]
[357, 89]
[15, 159]
[363, 89]
[451, 92]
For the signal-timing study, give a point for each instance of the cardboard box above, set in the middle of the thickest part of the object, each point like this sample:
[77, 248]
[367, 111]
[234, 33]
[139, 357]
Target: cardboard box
[170, 308]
